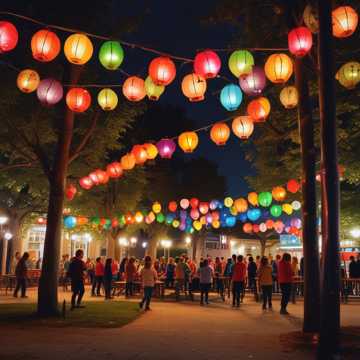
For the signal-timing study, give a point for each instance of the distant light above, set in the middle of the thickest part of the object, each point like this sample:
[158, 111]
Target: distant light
[3, 220]
[74, 237]
[123, 241]
[355, 233]
[188, 240]
[253, 248]
[8, 235]
[133, 240]
[88, 237]
[166, 243]
[144, 244]
[232, 242]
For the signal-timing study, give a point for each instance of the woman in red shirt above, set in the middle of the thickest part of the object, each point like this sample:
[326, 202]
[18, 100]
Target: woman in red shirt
[285, 279]
[99, 275]
[238, 279]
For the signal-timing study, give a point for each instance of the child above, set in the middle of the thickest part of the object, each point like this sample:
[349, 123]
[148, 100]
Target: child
[148, 277]
[108, 276]
[265, 281]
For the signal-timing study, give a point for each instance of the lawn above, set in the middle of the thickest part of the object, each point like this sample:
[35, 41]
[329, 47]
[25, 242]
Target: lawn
[95, 314]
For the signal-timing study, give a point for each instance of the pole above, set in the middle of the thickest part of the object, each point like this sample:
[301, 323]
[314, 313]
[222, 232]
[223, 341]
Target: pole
[330, 297]
[4, 255]
[309, 225]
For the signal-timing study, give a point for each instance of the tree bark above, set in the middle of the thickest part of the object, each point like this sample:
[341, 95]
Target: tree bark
[330, 296]
[110, 252]
[152, 248]
[311, 321]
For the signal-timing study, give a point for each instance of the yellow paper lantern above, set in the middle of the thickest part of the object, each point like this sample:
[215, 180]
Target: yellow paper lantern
[153, 91]
[233, 210]
[289, 97]
[107, 99]
[197, 225]
[203, 220]
[287, 209]
[349, 74]
[278, 68]
[241, 205]
[151, 151]
[253, 199]
[215, 224]
[156, 208]
[28, 80]
[188, 141]
[228, 201]
[78, 49]
[176, 223]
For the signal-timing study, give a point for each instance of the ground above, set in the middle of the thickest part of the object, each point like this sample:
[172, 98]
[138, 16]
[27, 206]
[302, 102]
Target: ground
[171, 331]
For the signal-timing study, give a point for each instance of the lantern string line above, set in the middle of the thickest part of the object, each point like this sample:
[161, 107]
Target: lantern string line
[129, 44]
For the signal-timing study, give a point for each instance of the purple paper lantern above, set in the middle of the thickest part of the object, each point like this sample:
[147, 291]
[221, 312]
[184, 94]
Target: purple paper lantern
[49, 92]
[296, 222]
[253, 83]
[166, 148]
[209, 218]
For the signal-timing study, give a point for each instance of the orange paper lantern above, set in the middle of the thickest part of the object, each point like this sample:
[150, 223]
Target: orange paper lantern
[134, 88]
[241, 205]
[278, 68]
[78, 99]
[259, 109]
[220, 134]
[140, 154]
[128, 161]
[162, 70]
[45, 45]
[242, 127]
[345, 20]
[194, 87]
[279, 193]
[151, 151]
[188, 141]
[78, 49]
[28, 80]
[114, 170]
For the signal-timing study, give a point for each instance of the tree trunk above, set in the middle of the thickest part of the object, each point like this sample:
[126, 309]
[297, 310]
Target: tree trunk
[48, 283]
[110, 245]
[330, 296]
[309, 225]
[151, 248]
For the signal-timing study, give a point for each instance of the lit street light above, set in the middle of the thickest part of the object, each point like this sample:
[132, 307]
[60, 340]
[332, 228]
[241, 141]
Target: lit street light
[355, 233]
[188, 240]
[166, 244]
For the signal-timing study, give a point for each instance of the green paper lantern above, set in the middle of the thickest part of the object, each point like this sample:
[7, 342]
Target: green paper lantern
[265, 199]
[121, 219]
[241, 62]
[153, 91]
[160, 218]
[95, 220]
[111, 55]
[276, 210]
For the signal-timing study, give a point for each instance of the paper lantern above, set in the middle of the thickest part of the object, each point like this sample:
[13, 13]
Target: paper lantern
[70, 222]
[276, 210]
[78, 49]
[241, 205]
[139, 217]
[140, 154]
[220, 134]
[166, 148]
[94, 178]
[262, 227]
[49, 92]
[78, 99]
[194, 202]
[111, 55]
[197, 225]
[194, 214]
[45, 45]
[162, 70]
[242, 127]
[265, 199]
[134, 88]
[28, 80]
[278, 68]
[289, 97]
[107, 99]
[269, 223]
[349, 74]
[151, 151]
[311, 18]
[114, 170]
[160, 218]
[254, 214]
[287, 209]
[231, 97]
[207, 64]
[128, 161]
[188, 141]
[230, 221]
[247, 228]
[300, 41]
[184, 203]
[256, 228]
[345, 21]
[214, 204]
[278, 193]
[81, 220]
[215, 224]
[8, 36]
[203, 208]
[193, 87]
[259, 109]
[293, 186]
[241, 62]
[153, 91]
[253, 199]
[102, 176]
[172, 206]
[156, 208]
[253, 83]
[296, 205]
[233, 210]
[86, 183]
[129, 219]
[176, 224]
[114, 223]
[70, 191]
[228, 202]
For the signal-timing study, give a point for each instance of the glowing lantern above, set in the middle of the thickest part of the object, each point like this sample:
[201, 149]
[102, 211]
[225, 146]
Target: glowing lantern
[256, 228]
[194, 87]
[134, 88]
[166, 148]
[194, 202]
[197, 225]
[276, 210]
[241, 205]
[160, 218]
[263, 227]
[82, 220]
[194, 214]
[188, 141]
[296, 205]
[86, 183]
[140, 154]
[293, 186]
[172, 206]
[176, 223]
[279, 193]
[289, 97]
[156, 208]
[231, 97]
[70, 222]
[153, 91]
[215, 224]
[259, 109]
[114, 223]
[8, 36]
[241, 62]
[253, 198]
[78, 99]
[207, 64]
[247, 228]
[345, 20]
[278, 68]
[311, 18]
[228, 201]
[162, 70]
[114, 170]
[300, 41]
[49, 92]
[242, 127]
[349, 74]
[107, 99]
[70, 191]
[184, 203]
[45, 45]
[253, 83]
[287, 209]
[128, 161]
[28, 80]
[111, 55]
[139, 217]
[78, 49]
[102, 176]
[203, 208]
[94, 178]
[265, 199]
[220, 134]
[233, 210]
[151, 151]
[129, 219]
[269, 223]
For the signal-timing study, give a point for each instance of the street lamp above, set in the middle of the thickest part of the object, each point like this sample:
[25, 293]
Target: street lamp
[133, 241]
[8, 235]
[355, 233]
[188, 240]
[144, 244]
[3, 220]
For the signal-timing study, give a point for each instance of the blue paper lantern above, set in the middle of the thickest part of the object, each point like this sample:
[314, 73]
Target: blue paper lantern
[169, 218]
[242, 217]
[231, 97]
[254, 214]
[70, 222]
[230, 221]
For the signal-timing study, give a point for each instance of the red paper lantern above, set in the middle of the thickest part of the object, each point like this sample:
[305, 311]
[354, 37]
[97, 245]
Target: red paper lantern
[172, 206]
[269, 223]
[256, 228]
[140, 154]
[70, 191]
[114, 223]
[114, 170]
[78, 99]
[207, 64]
[300, 41]
[204, 208]
[194, 202]
[94, 178]
[45, 45]
[259, 109]
[8, 36]
[162, 70]
[86, 182]
[129, 219]
[293, 186]
[134, 88]
[247, 228]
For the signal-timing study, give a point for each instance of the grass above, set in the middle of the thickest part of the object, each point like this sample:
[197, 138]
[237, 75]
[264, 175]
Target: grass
[96, 314]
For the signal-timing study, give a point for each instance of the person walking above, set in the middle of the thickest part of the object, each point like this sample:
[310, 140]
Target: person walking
[108, 278]
[98, 279]
[130, 273]
[206, 274]
[265, 282]
[285, 280]
[76, 274]
[21, 275]
[238, 280]
[148, 277]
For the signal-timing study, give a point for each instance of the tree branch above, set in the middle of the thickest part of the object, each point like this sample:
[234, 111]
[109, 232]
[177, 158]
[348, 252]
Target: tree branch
[20, 165]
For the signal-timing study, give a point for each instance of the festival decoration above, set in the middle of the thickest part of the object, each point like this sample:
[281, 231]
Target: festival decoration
[45, 45]
[70, 222]
[207, 64]
[49, 92]
[241, 62]
[254, 82]
[220, 134]
[8, 36]
[311, 18]
[172, 206]
[263, 227]
[254, 214]
[247, 228]
[300, 41]
[160, 218]
[278, 68]
[289, 97]
[139, 217]
[253, 199]
[349, 74]
[345, 20]
[128, 161]
[78, 100]
[241, 205]
[287, 209]
[114, 170]
[152, 90]
[203, 207]
[111, 55]
[278, 193]
[296, 205]
[242, 127]
[276, 210]
[194, 86]
[231, 97]
[140, 154]
[228, 202]
[156, 208]
[259, 109]
[269, 224]
[134, 88]
[78, 49]
[194, 213]
[184, 203]
[107, 99]
[188, 141]
[162, 70]
[102, 176]
[70, 191]
[94, 177]
[28, 80]
[166, 148]
[151, 151]
[86, 182]
[265, 199]
[293, 186]
[194, 202]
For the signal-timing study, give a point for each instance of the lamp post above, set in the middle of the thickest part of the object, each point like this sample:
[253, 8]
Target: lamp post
[3, 221]
[124, 243]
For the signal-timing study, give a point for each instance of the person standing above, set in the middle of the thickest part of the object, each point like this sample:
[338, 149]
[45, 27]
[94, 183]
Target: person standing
[219, 271]
[76, 273]
[169, 273]
[108, 278]
[251, 270]
[130, 273]
[238, 280]
[98, 279]
[90, 270]
[285, 280]
[265, 282]
[21, 275]
[275, 265]
[14, 262]
[206, 274]
[148, 277]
